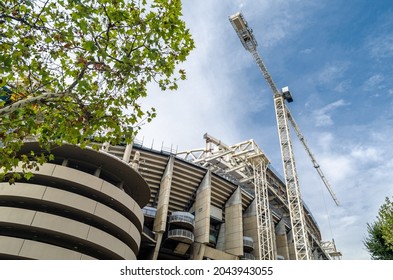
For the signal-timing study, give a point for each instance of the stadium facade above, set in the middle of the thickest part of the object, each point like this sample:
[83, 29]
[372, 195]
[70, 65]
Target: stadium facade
[133, 202]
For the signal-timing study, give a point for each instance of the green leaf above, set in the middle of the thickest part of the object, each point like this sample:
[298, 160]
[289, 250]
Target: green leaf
[28, 175]
[89, 46]
[89, 63]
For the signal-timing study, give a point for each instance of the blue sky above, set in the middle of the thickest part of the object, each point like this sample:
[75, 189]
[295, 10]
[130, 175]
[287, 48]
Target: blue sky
[337, 59]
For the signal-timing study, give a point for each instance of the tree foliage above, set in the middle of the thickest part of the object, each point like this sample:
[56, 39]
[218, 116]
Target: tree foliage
[379, 242]
[74, 70]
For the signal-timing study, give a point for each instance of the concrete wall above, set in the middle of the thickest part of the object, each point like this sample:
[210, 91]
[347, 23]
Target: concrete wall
[64, 213]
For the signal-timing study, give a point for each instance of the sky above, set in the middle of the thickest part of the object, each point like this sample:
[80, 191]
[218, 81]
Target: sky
[337, 59]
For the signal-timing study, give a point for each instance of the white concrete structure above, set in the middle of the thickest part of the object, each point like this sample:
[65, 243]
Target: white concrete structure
[132, 202]
[86, 204]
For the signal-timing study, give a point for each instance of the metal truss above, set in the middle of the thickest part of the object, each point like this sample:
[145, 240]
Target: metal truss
[244, 164]
[330, 248]
[295, 204]
[265, 231]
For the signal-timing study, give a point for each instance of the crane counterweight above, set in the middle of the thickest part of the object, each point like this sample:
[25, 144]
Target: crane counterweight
[287, 94]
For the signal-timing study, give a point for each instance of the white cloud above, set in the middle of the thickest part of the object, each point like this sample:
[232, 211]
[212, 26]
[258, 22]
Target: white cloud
[339, 167]
[307, 51]
[381, 46]
[348, 220]
[323, 115]
[368, 154]
[241, 4]
[333, 72]
[374, 83]
[380, 41]
[211, 99]
[343, 86]
[323, 120]
[325, 141]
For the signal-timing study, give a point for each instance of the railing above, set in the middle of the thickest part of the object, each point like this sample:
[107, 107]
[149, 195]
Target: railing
[182, 217]
[248, 242]
[149, 212]
[183, 233]
[248, 256]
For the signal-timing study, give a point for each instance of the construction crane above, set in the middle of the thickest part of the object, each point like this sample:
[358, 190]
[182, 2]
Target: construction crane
[299, 231]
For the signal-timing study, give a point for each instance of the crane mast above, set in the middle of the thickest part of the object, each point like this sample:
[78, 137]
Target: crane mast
[302, 247]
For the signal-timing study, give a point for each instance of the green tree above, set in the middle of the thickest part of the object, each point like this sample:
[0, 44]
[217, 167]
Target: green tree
[74, 70]
[386, 217]
[380, 233]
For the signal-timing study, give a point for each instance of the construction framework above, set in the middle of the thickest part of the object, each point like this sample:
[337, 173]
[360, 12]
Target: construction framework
[244, 164]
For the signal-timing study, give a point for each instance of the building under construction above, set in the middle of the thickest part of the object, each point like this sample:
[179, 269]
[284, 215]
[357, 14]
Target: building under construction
[207, 204]
[134, 202]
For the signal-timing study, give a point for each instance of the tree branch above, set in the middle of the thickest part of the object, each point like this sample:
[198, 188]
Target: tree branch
[45, 96]
[39, 15]
[21, 20]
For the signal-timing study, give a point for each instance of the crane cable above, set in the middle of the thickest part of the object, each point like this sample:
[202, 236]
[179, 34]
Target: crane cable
[326, 209]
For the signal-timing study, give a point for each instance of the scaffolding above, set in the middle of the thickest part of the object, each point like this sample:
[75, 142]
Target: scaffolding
[330, 248]
[246, 165]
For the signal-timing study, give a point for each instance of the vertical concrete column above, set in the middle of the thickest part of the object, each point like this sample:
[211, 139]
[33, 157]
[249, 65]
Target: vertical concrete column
[162, 205]
[202, 216]
[136, 161]
[234, 224]
[250, 226]
[291, 246]
[127, 153]
[282, 240]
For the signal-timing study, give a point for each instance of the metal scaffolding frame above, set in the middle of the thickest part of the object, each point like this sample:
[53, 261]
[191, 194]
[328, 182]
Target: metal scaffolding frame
[330, 248]
[265, 226]
[244, 164]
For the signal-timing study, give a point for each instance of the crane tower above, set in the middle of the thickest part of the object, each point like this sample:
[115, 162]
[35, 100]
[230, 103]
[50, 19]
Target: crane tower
[302, 247]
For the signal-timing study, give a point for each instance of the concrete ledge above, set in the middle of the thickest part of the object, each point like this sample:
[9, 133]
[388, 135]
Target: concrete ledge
[64, 228]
